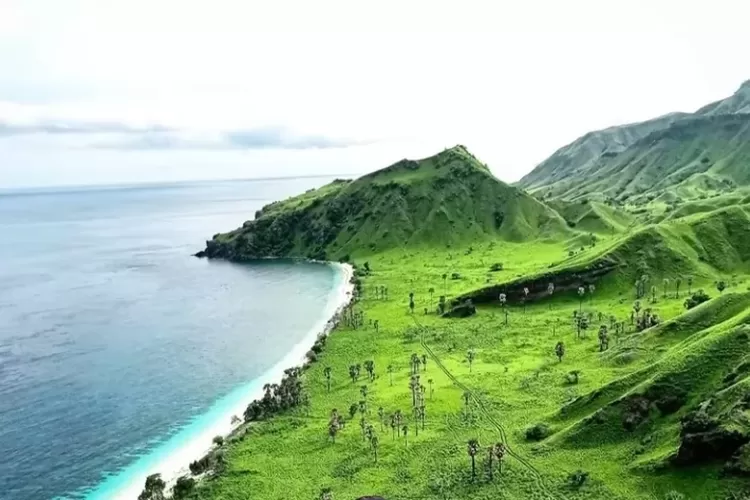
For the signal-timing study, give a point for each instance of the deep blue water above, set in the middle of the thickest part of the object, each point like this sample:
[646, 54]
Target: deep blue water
[115, 343]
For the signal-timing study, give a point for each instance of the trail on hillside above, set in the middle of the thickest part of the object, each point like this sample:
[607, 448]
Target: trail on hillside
[486, 413]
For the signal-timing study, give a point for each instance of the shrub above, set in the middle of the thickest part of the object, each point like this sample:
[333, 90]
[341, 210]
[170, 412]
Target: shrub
[674, 495]
[496, 267]
[572, 377]
[183, 487]
[696, 299]
[455, 276]
[219, 440]
[538, 432]
[578, 478]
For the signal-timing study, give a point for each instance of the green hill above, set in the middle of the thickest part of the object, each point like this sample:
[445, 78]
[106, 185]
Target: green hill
[444, 200]
[627, 378]
[680, 156]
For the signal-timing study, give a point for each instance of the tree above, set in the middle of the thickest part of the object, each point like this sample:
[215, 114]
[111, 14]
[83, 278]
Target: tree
[353, 409]
[153, 489]
[445, 283]
[560, 351]
[499, 452]
[581, 294]
[583, 325]
[467, 398]
[370, 369]
[183, 487]
[503, 300]
[327, 374]
[390, 373]
[689, 284]
[429, 381]
[636, 308]
[653, 294]
[424, 362]
[374, 443]
[677, 283]
[381, 414]
[218, 441]
[592, 289]
[665, 281]
[413, 387]
[363, 392]
[411, 302]
[376, 325]
[405, 430]
[603, 338]
[550, 291]
[525, 298]
[431, 291]
[470, 355]
[472, 448]
[721, 286]
[353, 373]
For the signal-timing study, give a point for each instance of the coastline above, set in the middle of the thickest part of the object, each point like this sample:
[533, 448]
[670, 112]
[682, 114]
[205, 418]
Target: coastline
[184, 447]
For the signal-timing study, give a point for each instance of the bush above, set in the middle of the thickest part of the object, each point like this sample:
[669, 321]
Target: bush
[219, 440]
[578, 478]
[455, 276]
[183, 487]
[538, 432]
[496, 267]
[696, 299]
[572, 377]
[674, 495]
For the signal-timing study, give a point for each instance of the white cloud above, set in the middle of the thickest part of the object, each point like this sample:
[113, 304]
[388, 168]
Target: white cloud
[512, 80]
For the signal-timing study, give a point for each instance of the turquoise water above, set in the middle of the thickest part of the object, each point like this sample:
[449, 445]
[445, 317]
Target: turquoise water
[116, 346]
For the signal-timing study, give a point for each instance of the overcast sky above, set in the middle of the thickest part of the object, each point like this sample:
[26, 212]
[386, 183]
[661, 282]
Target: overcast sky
[95, 91]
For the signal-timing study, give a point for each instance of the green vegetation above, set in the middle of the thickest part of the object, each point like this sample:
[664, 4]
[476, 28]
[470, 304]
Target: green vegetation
[580, 347]
[669, 160]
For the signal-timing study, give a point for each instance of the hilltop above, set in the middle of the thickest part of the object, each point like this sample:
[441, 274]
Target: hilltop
[445, 200]
[681, 156]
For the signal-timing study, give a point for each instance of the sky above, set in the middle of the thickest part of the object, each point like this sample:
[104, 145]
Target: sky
[125, 91]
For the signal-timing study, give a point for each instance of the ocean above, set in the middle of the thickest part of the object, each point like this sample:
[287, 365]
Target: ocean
[120, 353]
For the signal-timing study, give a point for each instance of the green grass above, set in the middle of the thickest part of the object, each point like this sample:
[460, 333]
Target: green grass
[515, 382]
[417, 221]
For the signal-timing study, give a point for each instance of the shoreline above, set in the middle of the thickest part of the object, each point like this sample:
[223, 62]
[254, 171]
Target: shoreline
[181, 450]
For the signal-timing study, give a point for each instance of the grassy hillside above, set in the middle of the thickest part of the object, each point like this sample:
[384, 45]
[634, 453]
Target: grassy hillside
[678, 157]
[446, 200]
[648, 399]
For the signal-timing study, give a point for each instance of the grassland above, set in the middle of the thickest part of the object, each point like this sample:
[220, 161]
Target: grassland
[514, 382]
[663, 412]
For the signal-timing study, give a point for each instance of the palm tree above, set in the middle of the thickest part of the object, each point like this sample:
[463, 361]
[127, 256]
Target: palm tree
[422, 414]
[592, 289]
[424, 362]
[333, 429]
[525, 298]
[327, 373]
[689, 283]
[353, 409]
[637, 307]
[399, 418]
[677, 283]
[603, 338]
[467, 397]
[377, 325]
[560, 351]
[499, 452]
[411, 302]
[363, 426]
[470, 355]
[429, 381]
[581, 293]
[381, 413]
[390, 373]
[393, 426]
[405, 430]
[445, 283]
[653, 294]
[374, 442]
[431, 291]
[550, 291]
[665, 281]
[370, 368]
[490, 454]
[353, 373]
[503, 300]
[472, 448]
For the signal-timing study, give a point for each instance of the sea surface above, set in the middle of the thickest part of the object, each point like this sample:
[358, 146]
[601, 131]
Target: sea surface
[117, 346]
